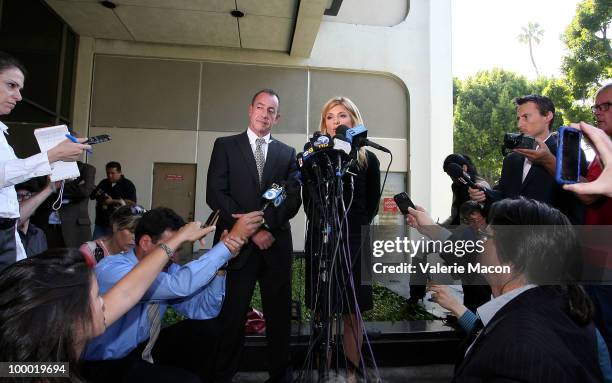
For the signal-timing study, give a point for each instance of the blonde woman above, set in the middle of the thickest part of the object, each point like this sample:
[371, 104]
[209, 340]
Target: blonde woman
[363, 207]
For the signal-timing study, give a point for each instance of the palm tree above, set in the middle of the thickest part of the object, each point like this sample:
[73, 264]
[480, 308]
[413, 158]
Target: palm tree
[532, 33]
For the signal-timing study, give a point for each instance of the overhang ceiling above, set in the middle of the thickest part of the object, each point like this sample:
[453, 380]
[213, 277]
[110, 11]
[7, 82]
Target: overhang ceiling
[274, 25]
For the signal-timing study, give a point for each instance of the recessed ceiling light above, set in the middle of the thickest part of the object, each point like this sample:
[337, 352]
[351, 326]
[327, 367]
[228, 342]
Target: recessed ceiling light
[108, 4]
[237, 14]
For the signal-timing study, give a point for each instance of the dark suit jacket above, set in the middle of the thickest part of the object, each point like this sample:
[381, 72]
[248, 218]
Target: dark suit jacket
[233, 187]
[532, 339]
[539, 184]
[76, 225]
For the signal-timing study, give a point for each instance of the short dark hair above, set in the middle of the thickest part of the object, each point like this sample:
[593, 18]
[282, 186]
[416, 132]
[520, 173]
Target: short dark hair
[469, 207]
[45, 307]
[267, 91]
[7, 62]
[154, 222]
[543, 103]
[30, 185]
[114, 165]
[541, 255]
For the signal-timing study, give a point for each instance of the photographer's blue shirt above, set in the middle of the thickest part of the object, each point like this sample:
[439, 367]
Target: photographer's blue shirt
[193, 290]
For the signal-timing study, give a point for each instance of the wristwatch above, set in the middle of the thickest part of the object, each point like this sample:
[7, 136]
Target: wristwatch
[167, 249]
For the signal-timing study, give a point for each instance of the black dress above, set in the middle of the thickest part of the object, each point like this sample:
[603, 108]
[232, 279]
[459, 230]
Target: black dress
[363, 208]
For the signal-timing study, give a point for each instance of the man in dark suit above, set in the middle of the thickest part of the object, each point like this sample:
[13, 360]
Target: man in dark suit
[532, 331]
[531, 173]
[69, 226]
[241, 168]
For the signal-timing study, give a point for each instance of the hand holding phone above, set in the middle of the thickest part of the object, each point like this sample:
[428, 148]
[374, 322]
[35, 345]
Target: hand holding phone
[98, 139]
[403, 202]
[568, 156]
[212, 218]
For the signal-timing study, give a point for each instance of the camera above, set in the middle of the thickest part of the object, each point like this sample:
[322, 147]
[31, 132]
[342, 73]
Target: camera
[517, 141]
[97, 193]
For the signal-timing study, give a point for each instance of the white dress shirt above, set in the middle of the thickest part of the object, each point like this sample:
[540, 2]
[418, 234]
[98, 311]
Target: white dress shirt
[13, 171]
[527, 164]
[252, 137]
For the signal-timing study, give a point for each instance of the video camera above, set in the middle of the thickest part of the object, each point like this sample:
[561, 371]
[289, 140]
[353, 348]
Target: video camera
[517, 141]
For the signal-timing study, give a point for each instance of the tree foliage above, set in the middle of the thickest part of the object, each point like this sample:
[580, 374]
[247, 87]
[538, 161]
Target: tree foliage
[485, 110]
[587, 38]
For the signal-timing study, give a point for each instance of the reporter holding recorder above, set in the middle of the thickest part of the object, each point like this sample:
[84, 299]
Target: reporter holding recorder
[60, 286]
[14, 170]
[136, 349]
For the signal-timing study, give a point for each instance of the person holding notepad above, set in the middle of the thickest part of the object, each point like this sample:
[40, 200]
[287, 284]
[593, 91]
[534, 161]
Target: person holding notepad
[14, 170]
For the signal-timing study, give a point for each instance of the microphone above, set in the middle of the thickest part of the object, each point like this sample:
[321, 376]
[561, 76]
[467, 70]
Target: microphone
[321, 141]
[340, 141]
[275, 195]
[358, 136]
[299, 160]
[456, 172]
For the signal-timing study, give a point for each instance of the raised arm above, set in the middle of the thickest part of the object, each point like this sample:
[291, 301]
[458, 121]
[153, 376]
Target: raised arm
[130, 289]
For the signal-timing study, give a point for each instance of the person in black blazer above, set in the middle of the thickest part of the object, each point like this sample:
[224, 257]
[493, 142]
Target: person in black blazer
[363, 198]
[75, 226]
[531, 173]
[538, 327]
[235, 185]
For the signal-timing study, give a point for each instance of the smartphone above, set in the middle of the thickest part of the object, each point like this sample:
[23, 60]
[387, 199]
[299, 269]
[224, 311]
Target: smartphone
[212, 218]
[98, 139]
[403, 202]
[568, 156]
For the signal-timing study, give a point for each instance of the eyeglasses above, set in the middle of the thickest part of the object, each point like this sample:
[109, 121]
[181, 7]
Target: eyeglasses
[603, 107]
[22, 196]
[486, 233]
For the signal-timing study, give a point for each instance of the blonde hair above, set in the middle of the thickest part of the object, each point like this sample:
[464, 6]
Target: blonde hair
[356, 119]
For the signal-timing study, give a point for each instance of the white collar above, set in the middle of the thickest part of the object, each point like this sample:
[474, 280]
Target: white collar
[487, 311]
[252, 137]
[4, 128]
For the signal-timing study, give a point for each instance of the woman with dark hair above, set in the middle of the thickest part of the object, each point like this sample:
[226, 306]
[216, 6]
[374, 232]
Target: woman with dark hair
[460, 191]
[123, 223]
[14, 170]
[538, 327]
[50, 307]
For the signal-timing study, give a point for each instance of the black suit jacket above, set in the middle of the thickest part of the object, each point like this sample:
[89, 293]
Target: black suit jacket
[532, 339]
[233, 187]
[538, 185]
[76, 225]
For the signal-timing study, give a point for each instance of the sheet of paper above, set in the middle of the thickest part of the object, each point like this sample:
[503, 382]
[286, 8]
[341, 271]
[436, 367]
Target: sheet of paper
[48, 138]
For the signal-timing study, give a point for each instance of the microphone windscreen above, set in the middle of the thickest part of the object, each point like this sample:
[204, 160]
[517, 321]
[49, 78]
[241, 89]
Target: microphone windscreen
[341, 130]
[454, 170]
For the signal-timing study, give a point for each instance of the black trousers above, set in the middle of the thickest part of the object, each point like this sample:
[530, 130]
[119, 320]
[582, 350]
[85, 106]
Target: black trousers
[275, 286]
[8, 249]
[183, 353]
[55, 238]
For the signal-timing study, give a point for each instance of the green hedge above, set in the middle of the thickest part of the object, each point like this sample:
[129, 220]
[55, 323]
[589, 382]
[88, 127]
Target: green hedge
[388, 306]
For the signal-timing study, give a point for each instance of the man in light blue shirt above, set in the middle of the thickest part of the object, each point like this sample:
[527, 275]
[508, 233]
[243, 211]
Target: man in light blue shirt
[128, 349]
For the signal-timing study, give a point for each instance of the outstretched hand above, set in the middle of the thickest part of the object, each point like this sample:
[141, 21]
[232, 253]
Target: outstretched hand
[603, 147]
[247, 224]
[419, 219]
